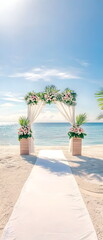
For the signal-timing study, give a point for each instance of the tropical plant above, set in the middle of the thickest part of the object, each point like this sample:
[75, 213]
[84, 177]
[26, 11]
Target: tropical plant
[76, 130]
[99, 96]
[23, 121]
[81, 119]
[24, 131]
[51, 89]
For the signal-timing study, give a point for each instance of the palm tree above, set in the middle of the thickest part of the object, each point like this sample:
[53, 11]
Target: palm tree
[81, 119]
[99, 96]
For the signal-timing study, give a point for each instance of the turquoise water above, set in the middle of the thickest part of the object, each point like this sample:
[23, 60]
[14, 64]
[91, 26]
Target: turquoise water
[52, 134]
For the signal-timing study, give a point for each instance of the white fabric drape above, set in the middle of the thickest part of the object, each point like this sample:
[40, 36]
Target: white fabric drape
[68, 111]
[33, 113]
[34, 110]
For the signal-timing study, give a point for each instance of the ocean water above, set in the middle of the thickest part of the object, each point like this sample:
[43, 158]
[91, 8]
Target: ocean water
[51, 134]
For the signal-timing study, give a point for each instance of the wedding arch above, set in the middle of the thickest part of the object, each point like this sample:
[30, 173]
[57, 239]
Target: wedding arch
[65, 102]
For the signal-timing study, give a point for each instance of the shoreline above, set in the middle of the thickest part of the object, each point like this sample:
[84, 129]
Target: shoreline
[38, 146]
[87, 170]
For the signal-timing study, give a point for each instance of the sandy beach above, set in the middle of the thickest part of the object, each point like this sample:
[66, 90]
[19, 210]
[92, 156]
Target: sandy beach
[87, 169]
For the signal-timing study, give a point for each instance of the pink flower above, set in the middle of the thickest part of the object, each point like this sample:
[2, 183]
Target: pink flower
[75, 129]
[34, 97]
[71, 129]
[81, 130]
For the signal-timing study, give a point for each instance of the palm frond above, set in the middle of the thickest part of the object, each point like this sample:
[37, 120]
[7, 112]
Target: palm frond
[99, 96]
[81, 119]
[51, 88]
[23, 121]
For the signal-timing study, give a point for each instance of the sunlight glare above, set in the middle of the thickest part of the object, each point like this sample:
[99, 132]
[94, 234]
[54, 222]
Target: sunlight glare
[6, 5]
[10, 11]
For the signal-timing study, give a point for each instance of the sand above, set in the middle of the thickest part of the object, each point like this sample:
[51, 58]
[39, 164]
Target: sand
[87, 169]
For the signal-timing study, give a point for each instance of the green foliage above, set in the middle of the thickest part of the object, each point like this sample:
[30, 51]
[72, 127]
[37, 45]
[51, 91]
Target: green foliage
[69, 97]
[81, 119]
[99, 96]
[32, 98]
[73, 134]
[50, 95]
[51, 89]
[23, 121]
[24, 131]
[77, 132]
[59, 97]
[67, 90]
[25, 136]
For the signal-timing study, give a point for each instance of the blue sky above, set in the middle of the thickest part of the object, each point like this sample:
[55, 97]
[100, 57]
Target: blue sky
[45, 42]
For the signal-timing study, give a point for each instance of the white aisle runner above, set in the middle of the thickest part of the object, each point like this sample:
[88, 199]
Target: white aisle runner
[50, 206]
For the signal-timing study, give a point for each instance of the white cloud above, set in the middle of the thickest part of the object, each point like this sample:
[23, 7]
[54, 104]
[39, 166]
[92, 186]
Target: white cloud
[12, 99]
[45, 116]
[9, 118]
[6, 105]
[9, 96]
[50, 116]
[46, 74]
[13, 117]
[83, 62]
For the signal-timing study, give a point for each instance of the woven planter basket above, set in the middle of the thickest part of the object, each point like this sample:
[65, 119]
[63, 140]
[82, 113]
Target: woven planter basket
[24, 146]
[76, 146]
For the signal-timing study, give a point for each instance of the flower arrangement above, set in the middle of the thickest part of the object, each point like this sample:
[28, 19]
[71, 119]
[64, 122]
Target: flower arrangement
[77, 132]
[48, 98]
[32, 98]
[50, 94]
[68, 97]
[24, 131]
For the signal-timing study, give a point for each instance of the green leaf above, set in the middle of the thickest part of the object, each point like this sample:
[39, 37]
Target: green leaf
[99, 96]
[81, 119]
[23, 121]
